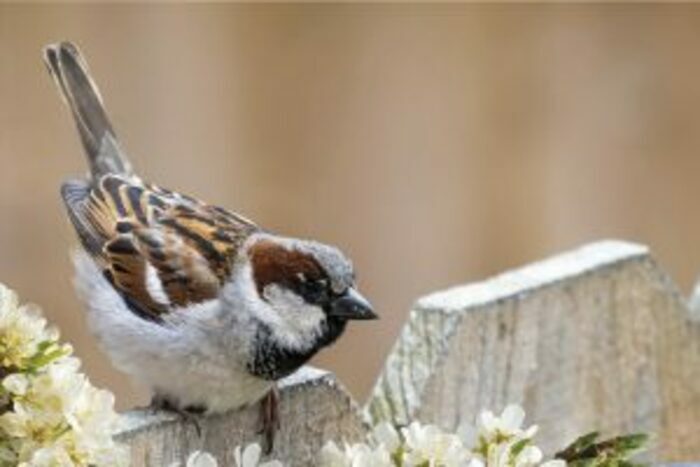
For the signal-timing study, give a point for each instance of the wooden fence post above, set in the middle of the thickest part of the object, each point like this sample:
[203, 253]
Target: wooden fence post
[314, 408]
[597, 338]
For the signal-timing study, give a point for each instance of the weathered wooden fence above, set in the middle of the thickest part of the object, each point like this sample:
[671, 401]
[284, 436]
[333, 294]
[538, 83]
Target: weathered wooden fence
[596, 338]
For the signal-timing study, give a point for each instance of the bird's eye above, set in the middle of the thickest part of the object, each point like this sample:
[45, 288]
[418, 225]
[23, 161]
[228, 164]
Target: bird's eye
[315, 292]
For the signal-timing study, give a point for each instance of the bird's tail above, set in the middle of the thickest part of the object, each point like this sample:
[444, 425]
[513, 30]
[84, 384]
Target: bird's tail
[71, 74]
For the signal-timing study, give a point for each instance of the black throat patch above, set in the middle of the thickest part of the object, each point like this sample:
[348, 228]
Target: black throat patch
[271, 360]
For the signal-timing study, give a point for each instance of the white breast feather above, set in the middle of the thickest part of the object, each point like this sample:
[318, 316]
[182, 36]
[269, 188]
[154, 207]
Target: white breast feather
[198, 358]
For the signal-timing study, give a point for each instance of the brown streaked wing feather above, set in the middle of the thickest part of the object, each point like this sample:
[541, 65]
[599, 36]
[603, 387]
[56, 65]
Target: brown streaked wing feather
[127, 225]
[185, 275]
[76, 194]
[127, 271]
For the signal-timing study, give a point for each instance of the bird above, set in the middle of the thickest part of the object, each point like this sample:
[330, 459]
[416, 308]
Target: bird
[193, 300]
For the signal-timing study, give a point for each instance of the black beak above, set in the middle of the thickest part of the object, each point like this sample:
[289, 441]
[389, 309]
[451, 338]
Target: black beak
[352, 305]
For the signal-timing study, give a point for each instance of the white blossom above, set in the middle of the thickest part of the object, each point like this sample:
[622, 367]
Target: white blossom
[506, 426]
[201, 459]
[250, 457]
[427, 443]
[16, 384]
[333, 456]
[22, 331]
[502, 455]
[198, 459]
[55, 417]
[530, 456]
[501, 440]
[49, 456]
[385, 434]
[355, 455]
[497, 441]
[554, 463]
[365, 456]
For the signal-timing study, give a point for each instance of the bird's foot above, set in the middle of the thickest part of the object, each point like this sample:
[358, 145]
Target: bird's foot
[191, 414]
[269, 418]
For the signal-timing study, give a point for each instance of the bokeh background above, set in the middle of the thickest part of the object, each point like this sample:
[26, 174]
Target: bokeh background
[437, 145]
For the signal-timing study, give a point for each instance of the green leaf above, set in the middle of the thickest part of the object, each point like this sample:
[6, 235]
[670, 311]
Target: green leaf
[518, 447]
[614, 452]
[571, 452]
[581, 463]
[397, 456]
[48, 353]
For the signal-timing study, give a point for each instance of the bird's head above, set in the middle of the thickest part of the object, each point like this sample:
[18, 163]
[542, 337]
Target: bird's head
[309, 288]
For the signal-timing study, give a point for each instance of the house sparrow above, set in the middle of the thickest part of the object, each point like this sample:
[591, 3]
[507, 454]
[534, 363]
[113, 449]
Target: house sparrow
[199, 303]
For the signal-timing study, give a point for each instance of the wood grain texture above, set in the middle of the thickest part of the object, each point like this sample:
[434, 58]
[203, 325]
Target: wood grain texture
[314, 408]
[597, 338]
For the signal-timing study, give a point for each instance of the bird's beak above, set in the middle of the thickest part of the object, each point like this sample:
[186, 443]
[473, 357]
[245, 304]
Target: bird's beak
[352, 305]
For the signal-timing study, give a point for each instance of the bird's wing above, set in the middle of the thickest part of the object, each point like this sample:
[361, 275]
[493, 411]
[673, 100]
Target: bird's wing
[159, 249]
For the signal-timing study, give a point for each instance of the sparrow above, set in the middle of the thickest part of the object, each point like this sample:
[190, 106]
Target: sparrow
[197, 302]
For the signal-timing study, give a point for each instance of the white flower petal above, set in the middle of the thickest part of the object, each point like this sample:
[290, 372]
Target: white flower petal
[251, 455]
[530, 432]
[554, 463]
[201, 459]
[468, 433]
[16, 383]
[512, 417]
[488, 421]
[385, 433]
[274, 463]
[237, 456]
[531, 455]
[332, 456]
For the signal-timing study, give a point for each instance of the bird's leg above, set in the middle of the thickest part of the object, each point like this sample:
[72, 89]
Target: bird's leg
[188, 414]
[269, 418]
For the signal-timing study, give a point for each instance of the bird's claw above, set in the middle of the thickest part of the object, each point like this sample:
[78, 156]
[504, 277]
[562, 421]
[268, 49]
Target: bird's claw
[189, 415]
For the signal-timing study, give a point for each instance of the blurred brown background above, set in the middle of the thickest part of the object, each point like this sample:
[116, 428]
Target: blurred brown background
[435, 144]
